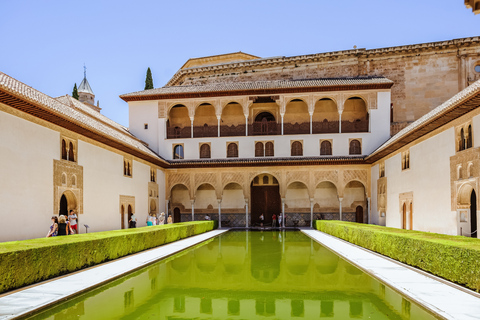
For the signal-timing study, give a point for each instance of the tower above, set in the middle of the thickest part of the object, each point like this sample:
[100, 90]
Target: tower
[85, 93]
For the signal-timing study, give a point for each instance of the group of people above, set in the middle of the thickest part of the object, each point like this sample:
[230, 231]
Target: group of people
[151, 220]
[63, 226]
[274, 220]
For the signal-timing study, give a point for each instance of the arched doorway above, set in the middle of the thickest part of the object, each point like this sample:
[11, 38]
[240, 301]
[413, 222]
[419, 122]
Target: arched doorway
[264, 123]
[122, 211]
[473, 214]
[359, 214]
[404, 216]
[129, 214]
[63, 206]
[265, 198]
[176, 215]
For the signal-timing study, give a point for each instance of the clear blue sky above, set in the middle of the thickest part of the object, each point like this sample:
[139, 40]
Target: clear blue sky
[45, 43]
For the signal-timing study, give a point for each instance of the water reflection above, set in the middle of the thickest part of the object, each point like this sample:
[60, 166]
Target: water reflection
[244, 275]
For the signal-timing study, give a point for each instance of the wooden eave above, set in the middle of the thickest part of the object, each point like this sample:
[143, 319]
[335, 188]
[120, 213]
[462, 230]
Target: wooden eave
[187, 95]
[436, 122]
[37, 110]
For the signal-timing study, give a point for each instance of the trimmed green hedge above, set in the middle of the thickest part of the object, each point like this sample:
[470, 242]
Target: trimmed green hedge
[454, 258]
[30, 261]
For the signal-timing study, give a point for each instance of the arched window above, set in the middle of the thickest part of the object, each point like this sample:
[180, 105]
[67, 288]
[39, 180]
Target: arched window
[178, 152]
[462, 140]
[259, 149]
[71, 153]
[469, 137]
[265, 180]
[232, 150]
[64, 150]
[129, 173]
[269, 152]
[296, 149]
[325, 148]
[74, 181]
[205, 151]
[355, 147]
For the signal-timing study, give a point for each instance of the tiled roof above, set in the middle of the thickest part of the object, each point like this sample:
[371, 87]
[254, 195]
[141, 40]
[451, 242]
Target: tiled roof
[260, 85]
[449, 105]
[79, 114]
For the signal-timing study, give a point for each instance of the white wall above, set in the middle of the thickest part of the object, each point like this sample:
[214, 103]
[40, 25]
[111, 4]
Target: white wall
[27, 151]
[141, 112]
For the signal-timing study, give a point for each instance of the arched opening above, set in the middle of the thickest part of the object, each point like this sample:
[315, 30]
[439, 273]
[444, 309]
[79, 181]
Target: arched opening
[326, 148]
[355, 147]
[232, 121]
[265, 124]
[64, 150]
[359, 214]
[404, 216]
[232, 150]
[178, 124]
[259, 151]
[63, 206]
[68, 202]
[71, 152]
[204, 151]
[461, 145]
[153, 207]
[205, 201]
[265, 199]
[233, 205]
[469, 137]
[296, 119]
[325, 117]
[355, 115]
[473, 214]
[205, 122]
[176, 215]
[122, 216]
[178, 152]
[180, 200]
[353, 197]
[296, 149]
[297, 205]
[129, 215]
[326, 201]
[269, 152]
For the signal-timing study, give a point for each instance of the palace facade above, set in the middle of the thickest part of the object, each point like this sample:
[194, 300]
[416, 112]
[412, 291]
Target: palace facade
[384, 136]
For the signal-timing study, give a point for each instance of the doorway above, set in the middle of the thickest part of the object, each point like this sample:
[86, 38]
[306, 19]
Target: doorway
[265, 195]
[129, 215]
[359, 214]
[123, 217]
[473, 214]
[404, 216]
[176, 215]
[63, 206]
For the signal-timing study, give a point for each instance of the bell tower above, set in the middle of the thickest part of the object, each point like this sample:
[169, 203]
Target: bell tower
[85, 93]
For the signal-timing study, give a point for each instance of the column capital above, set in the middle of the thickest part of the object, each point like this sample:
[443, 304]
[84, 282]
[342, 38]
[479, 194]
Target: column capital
[219, 201]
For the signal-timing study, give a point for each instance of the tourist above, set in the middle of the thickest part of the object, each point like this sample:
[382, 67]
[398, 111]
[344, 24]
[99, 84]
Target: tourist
[169, 219]
[62, 226]
[274, 220]
[53, 227]
[280, 220]
[149, 220]
[133, 221]
[161, 219]
[261, 220]
[72, 218]
[154, 219]
[207, 217]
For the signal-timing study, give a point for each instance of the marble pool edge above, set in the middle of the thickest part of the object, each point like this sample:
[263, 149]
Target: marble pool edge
[443, 300]
[35, 298]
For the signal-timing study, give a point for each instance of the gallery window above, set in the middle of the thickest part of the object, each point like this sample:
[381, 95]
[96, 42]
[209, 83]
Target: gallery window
[153, 175]
[127, 167]
[325, 148]
[406, 160]
[269, 152]
[232, 150]
[296, 149]
[381, 168]
[205, 151]
[355, 147]
[178, 151]
[68, 149]
[259, 152]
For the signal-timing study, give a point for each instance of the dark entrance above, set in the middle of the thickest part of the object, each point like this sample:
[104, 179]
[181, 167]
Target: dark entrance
[359, 214]
[176, 215]
[63, 206]
[123, 217]
[129, 215]
[473, 214]
[265, 195]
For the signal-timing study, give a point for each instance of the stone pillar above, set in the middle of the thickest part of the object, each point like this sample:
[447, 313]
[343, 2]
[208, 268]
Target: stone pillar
[246, 125]
[193, 209]
[246, 213]
[340, 121]
[191, 127]
[166, 210]
[219, 212]
[340, 200]
[311, 209]
[283, 212]
[281, 115]
[166, 129]
[311, 122]
[368, 210]
[218, 125]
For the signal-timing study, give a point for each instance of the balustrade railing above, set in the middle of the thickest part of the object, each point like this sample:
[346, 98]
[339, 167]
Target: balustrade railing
[264, 128]
[325, 127]
[177, 132]
[232, 131]
[296, 128]
[205, 131]
[359, 125]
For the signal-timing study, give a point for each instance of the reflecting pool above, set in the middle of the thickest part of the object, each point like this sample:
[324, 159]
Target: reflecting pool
[244, 275]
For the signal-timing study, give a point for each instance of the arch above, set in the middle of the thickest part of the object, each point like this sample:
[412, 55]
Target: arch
[469, 136]
[470, 170]
[178, 152]
[74, 180]
[326, 148]
[64, 178]
[462, 140]
[353, 196]
[205, 195]
[233, 196]
[205, 151]
[325, 109]
[68, 202]
[178, 122]
[359, 214]
[232, 150]
[259, 150]
[264, 124]
[153, 206]
[232, 114]
[296, 149]
[264, 115]
[64, 150]
[326, 196]
[124, 167]
[459, 172]
[355, 115]
[265, 199]
[463, 195]
[180, 196]
[205, 121]
[297, 197]
[71, 152]
[355, 147]
[296, 119]
[269, 149]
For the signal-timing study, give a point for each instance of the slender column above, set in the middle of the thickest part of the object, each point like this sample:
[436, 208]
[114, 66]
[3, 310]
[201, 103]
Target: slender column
[340, 201]
[311, 123]
[369, 121]
[281, 115]
[166, 210]
[339, 121]
[218, 118]
[246, 125]
[368, 210]
[283, 213]
[246, 213]
[311, 212]
[165, 130]
[193, 209]
[191, 126]
[219, 212]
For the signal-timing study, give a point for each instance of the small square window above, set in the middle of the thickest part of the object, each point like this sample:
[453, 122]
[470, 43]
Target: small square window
[145, 126]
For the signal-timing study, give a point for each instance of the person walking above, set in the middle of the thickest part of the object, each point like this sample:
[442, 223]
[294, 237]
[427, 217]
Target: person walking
[72, 218]
[53, 227]
[133, 221]
[274, 220]
[63, 229]
[169, 219]
[261, 220]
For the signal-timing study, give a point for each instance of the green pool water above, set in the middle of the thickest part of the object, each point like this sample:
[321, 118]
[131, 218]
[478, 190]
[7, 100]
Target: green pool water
[244, 275]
